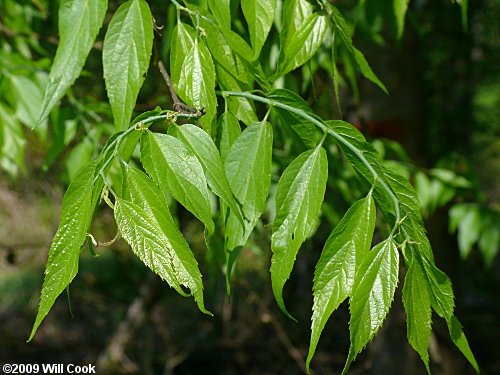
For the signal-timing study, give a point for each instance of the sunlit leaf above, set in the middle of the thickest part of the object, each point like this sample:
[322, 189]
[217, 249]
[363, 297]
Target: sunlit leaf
[62, 262]
[342, 255]
[201, 145]
[259, 15]
[145, 222]
[372, 295]
[299, 196]
[126, 53]
[175, 168]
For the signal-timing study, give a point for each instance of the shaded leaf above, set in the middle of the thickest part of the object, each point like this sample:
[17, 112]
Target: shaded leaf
[417, 303]
[229, 130]
[304, 132]
[458, 337]
[248, 170]
[345, 36]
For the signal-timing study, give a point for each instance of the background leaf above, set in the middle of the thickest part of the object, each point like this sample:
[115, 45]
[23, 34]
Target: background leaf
[345, 36]
[400, 8]
[126, 53]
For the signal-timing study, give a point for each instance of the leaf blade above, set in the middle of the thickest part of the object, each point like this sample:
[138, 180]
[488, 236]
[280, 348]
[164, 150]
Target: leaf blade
[342, 254]
[62, 262]
[145, 222]
[299, 197]
[79, 24]
[201, 145]
[126, 53]
[174, 167]
[259, 15]
[373, 291]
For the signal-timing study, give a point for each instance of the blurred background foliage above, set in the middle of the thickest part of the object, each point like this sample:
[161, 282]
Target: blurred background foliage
[439, 126]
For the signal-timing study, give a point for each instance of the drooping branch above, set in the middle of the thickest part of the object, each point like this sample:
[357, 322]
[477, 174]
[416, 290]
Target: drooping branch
[325, 129]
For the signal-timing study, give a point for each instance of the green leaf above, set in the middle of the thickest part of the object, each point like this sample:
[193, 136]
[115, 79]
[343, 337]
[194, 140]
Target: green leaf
[458, 337]
[345, 36]
[417, 303]
[295, 13]
[300, 46]
[303, 131]
[79, 24]
[182, 41]
[299, 196]
[62, 262]
[145, 222]
[248, 170]
[201, 145]
[342, 255]
[259, 15]
[193, 73]
[442, 302]
[221, 9]
[229, 130]
[463, 11]
[231, 72]
[175, 168]
[372, 295]
[400, 7]
[245, 53]
[442, 298]
[126, 53]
